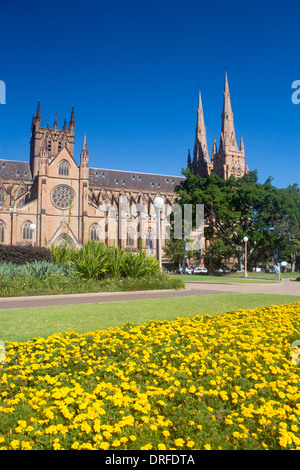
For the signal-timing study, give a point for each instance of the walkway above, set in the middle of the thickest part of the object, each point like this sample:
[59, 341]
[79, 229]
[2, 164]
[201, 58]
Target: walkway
[286, 287]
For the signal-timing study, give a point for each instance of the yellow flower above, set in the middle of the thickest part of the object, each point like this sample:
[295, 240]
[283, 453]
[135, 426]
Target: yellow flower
[207, 447]
[26, 445]
[161, 447]
[15, 444]
[179, 442]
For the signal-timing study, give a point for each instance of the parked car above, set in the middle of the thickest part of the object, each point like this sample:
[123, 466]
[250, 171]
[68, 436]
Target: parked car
[188, 270]
[200, 271]
[185, 270]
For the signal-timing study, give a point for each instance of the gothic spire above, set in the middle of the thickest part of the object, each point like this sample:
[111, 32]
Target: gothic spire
[189, 161]
[84, 151]
[228, 139]
[72, 120]
[55, 121]
[38, 111]
[200, 147]
[214, 149]
[242, 147]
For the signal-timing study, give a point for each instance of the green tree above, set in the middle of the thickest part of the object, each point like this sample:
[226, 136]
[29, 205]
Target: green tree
[235, 208]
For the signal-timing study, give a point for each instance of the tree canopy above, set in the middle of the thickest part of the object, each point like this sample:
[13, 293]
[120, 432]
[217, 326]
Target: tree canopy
[234, 208]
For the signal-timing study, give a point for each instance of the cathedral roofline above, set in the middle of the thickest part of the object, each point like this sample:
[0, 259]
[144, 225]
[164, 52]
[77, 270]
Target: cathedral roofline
[137, 172]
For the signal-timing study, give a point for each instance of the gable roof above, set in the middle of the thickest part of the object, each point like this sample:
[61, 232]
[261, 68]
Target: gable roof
[10, 169]
[133, 180]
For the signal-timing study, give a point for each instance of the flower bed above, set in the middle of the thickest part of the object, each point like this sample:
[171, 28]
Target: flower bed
[225, 381]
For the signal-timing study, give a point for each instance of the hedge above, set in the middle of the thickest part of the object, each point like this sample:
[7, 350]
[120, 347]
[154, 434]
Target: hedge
[20, 254]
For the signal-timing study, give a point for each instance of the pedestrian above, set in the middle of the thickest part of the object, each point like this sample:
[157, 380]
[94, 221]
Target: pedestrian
[277, 272]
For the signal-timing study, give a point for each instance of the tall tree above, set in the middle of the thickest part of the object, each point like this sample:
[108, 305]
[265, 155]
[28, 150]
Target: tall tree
[235, 208]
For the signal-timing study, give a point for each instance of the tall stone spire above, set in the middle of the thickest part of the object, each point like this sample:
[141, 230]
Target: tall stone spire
[200, 147]
[55, 121]
[84, 152]
[227, 138]
[38, 111]
[242, 147]
[72, 121]
[84, 160]
[214, 149]
[230, 159]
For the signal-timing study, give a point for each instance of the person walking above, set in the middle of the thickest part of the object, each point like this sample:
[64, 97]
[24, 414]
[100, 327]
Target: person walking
[277, 272]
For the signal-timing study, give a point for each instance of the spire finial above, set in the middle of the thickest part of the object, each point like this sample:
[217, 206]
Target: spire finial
[242, 147]
[84, 157]
[84, 145]
[38, 111]
[189, 162]
[72, 120]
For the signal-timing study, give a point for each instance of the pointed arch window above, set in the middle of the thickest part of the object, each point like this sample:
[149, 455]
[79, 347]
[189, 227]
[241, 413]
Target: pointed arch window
[130, 237]
[95, 232]
[1, 197]
[63, 168]
[2, 228]
[21, 201]
[49, 145]
[26, 231]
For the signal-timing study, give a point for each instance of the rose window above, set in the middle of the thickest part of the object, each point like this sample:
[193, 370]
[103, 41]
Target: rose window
[62, 196]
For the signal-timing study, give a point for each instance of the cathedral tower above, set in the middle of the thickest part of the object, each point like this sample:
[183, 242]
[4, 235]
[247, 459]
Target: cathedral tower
[229, 160]
[201, 163]
[51, 140]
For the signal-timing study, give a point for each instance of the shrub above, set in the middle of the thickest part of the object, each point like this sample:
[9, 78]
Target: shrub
[44, 269]
[38, 269]
[139, 265]
[115, 260]
[62, 254]
[90, 261]
[20, 254]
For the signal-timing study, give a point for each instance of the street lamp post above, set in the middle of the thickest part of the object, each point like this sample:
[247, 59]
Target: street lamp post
[32, 228]
[158, 204]
[245, 239]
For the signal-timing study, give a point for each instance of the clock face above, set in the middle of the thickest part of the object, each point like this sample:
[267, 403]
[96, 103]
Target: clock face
[62, 196]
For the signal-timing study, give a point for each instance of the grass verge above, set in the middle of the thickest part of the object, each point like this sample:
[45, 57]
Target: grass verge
[24, 324]
[220, 278]
[30, 285]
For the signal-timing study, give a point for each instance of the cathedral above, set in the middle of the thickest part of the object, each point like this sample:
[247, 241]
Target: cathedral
[53, 199]
[229, 159]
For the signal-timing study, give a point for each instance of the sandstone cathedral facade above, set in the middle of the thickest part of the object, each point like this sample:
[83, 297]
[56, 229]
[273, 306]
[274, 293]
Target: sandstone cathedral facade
[52, 199]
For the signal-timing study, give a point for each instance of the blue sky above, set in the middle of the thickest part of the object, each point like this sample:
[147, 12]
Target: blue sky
[132, 70]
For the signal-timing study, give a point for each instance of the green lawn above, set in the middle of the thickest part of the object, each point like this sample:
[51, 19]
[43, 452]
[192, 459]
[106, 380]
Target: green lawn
[264, 275]
[229, 279]
[24, 324]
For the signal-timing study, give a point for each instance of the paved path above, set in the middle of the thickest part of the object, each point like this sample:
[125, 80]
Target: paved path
[192, 288]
